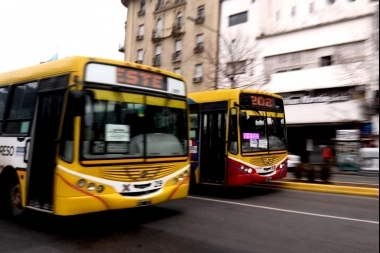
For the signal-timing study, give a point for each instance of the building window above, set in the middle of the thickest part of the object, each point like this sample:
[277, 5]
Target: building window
[140, 55]
[278, 15]
[179, 20]
[236, 68]
[198, 70]
[201, 11]
[159, 4]
[283, 58]
[296, 56]
[311, 7]
[141, 30]
[200, 39]
[141, 12]
[142, 5]
[199, 47]
[178, 49]
[238, 18]
[326, 61]
[158, 50]
[294, 11]
[157, 58]
[159, 28]
[177, 71]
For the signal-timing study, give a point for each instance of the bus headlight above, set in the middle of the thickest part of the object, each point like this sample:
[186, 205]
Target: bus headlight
[249, 170]
[175, 180]
[185, 174]
[81, 183]
[91, 187]
[100, 188]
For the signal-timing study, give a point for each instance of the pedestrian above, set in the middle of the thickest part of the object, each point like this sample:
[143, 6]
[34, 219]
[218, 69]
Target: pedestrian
[327, 153]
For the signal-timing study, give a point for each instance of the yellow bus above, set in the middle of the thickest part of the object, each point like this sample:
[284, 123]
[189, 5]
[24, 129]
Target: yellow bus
[237, 137]
[81, 135]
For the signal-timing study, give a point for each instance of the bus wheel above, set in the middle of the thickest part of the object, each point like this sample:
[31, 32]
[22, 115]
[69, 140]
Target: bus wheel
[11, 201]
[15, 200]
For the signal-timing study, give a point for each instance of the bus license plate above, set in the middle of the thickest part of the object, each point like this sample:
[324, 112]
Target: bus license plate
[145, 202]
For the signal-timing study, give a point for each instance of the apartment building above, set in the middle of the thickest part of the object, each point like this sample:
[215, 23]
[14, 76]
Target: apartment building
[176, 35]
[317, 54]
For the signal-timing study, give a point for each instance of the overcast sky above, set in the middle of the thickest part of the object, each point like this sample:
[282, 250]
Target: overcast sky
[32, 31]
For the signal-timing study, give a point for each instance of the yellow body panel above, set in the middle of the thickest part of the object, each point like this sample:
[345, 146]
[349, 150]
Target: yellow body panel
[69, 198]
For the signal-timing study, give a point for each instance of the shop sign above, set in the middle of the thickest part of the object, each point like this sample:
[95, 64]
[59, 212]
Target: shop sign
[320, 99]
[348, 135]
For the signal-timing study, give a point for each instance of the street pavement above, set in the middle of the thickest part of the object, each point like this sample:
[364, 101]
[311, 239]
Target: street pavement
[211, 220]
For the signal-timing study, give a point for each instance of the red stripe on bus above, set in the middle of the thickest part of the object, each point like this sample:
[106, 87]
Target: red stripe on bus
[176, 189]
[82, 191]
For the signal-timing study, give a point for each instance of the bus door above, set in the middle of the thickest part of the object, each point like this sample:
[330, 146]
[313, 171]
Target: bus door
[43, 146]
[213, 142]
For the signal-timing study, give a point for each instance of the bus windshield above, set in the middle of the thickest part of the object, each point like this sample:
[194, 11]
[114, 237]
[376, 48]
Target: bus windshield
[264, 131]
[129, 125]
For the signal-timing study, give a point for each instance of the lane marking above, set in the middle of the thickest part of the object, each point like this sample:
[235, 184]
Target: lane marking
[284, 210]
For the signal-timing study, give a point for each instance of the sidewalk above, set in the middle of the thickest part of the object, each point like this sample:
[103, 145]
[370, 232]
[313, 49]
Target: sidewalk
[351, 183]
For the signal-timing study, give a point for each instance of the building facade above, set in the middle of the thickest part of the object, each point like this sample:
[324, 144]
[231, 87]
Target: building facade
[318, 55]
[175, 35]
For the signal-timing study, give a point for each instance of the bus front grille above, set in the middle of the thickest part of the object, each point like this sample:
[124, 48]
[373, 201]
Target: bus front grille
[267, 160]
[138, 173]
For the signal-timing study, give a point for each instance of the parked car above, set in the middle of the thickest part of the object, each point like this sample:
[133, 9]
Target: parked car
[293, 161]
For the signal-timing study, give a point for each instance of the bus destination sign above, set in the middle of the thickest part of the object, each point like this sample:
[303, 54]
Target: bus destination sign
[261, 101]
[140, 78]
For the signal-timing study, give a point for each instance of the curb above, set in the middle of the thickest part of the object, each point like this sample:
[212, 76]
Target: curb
[338, 189]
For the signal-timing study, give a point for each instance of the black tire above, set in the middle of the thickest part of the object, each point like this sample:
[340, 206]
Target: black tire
[10, 197]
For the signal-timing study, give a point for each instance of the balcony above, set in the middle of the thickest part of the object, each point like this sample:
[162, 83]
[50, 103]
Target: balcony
[200, 20]
[319, 78]
[121, 49]
[177, 30]
[176, 57]
[198, 79]
[156, 62]
[157, 35]
[141, 13]
[140, 37]
[199, 48]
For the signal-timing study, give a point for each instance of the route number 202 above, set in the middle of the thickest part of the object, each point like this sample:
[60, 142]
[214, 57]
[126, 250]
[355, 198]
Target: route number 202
[158, 183]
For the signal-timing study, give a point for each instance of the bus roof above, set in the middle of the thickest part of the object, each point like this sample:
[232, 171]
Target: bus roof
[67, 65]
[222, 95]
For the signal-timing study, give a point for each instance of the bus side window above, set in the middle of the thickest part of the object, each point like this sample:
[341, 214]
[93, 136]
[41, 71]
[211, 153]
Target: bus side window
[3, 103]
[21, 109]
[232, 133]
[194, 127]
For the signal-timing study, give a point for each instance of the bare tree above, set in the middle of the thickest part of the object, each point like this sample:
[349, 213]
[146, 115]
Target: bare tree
[234, 64]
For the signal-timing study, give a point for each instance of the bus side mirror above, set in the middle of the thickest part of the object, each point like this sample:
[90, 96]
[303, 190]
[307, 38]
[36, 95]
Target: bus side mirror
[76, 102]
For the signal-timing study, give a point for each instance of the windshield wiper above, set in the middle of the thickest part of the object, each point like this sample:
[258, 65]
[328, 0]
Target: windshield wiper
[242, 107]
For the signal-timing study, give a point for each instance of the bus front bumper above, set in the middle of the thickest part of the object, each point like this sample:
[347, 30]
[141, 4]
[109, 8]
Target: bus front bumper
[66, 206]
